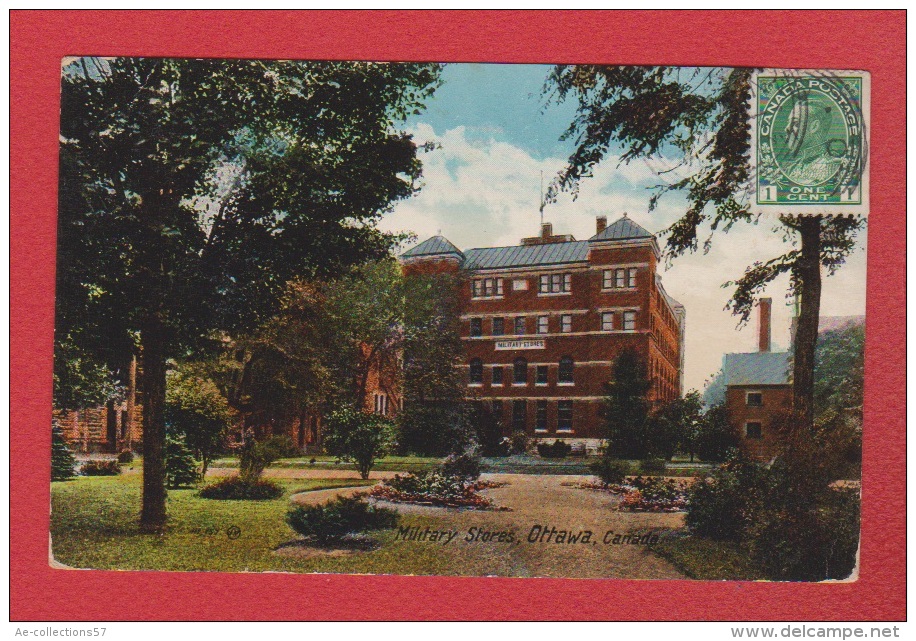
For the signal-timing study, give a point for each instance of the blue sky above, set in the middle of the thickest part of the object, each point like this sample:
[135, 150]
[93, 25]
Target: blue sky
[481, 188]
[503, 102]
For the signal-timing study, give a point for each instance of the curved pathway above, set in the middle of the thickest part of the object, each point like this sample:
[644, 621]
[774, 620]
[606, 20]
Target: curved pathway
[542, 502]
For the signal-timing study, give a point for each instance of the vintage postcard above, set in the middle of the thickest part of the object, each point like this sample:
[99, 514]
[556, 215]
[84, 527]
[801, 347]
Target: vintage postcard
[570, 321]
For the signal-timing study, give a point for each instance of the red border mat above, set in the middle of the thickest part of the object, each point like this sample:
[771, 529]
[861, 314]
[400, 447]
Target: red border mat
[874, 41]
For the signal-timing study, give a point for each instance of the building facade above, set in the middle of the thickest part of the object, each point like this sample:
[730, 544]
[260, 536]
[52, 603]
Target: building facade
[544, 321]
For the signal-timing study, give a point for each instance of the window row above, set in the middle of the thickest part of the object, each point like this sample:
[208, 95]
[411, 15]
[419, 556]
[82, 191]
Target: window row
[555, 283]
[520, 372]
[619, 278]
[564, 415]
[519, 324]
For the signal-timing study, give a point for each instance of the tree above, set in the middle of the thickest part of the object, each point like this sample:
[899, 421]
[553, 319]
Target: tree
[674, 425]
[192, 191]
[626, 409]
[80, 380]
[62, 459]
[435, 420]
[699, 119]
[196, 410]
[359, 437]
[716, 437]
[180, 466]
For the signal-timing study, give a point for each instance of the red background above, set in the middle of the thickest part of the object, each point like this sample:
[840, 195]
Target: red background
[874, 41]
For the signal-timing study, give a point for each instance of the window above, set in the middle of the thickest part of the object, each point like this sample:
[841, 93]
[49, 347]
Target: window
[607, 321]
[542, 325]
[555, 283]
[608, 281]
[564, 416]
[520, 371]
[519, 285]
[753, 430]
[520, 325]
[629, 321]
[540, 420]
[566, 323]
[497, 412]
[631, 277]
[499, 326]
[497, 375]
[476, 374]
[518, 416]
[476, 327]
[754, 399]
[541, 375]
[488, 287]
[565, 372]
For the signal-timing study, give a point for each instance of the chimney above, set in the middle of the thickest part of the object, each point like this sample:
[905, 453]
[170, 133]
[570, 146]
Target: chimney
[766, 306]
[601, 224]
[546, 230]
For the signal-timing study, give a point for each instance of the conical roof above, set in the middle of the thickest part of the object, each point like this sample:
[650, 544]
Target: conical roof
[622, 229]
[435, 246]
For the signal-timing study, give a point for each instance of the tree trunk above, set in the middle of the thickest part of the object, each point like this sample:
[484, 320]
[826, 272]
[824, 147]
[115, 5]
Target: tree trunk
[152, 515]
[808, 286]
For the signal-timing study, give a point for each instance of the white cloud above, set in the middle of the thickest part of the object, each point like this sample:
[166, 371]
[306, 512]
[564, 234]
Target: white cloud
[483, 193]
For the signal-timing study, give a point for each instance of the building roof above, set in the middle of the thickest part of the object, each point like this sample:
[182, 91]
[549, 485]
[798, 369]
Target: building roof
[622, 229]
[757, 368]
[435, 246]
[526, 255]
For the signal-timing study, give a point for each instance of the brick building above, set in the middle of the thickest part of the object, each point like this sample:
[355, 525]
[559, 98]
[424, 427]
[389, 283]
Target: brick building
[544, 321]
[758, 386]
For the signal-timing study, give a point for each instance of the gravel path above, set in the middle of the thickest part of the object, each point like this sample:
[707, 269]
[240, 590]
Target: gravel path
[544, 502]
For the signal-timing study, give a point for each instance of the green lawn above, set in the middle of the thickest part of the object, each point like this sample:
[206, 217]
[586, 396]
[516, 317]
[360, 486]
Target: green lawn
[708, 560]
[94, 525]
[324, 461]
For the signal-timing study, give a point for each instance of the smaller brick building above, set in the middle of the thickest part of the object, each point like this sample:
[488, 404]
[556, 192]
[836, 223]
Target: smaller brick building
[758, 386]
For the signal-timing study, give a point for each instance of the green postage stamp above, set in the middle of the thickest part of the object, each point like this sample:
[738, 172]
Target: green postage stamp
[809, 141]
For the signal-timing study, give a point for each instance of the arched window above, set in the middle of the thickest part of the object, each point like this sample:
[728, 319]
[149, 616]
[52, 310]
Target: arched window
[476, 371]
[520, 371]
[565, 373]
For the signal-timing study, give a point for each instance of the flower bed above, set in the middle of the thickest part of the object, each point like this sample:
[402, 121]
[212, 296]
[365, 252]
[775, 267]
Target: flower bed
[436, 489]
[646, 493]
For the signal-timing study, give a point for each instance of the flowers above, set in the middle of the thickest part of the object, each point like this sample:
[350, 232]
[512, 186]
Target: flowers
[435, 488]
[646, 494]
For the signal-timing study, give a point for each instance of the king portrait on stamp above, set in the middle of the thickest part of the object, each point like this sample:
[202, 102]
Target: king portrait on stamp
[809, 141]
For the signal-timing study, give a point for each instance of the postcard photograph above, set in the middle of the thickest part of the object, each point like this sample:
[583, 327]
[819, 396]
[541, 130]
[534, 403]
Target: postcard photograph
[515, 320]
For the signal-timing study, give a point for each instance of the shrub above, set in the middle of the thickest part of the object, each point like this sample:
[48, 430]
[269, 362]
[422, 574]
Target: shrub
[234, 488]
[336, 519]
[180, 466]
[811, 544]
[359, 437]
[463, 466]
[520, 443]
[256, 455]
[610, 470]
[721, 507]
[557, 449]
[125, 457]
[652, 466]
[62, 460]
[99, 467]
